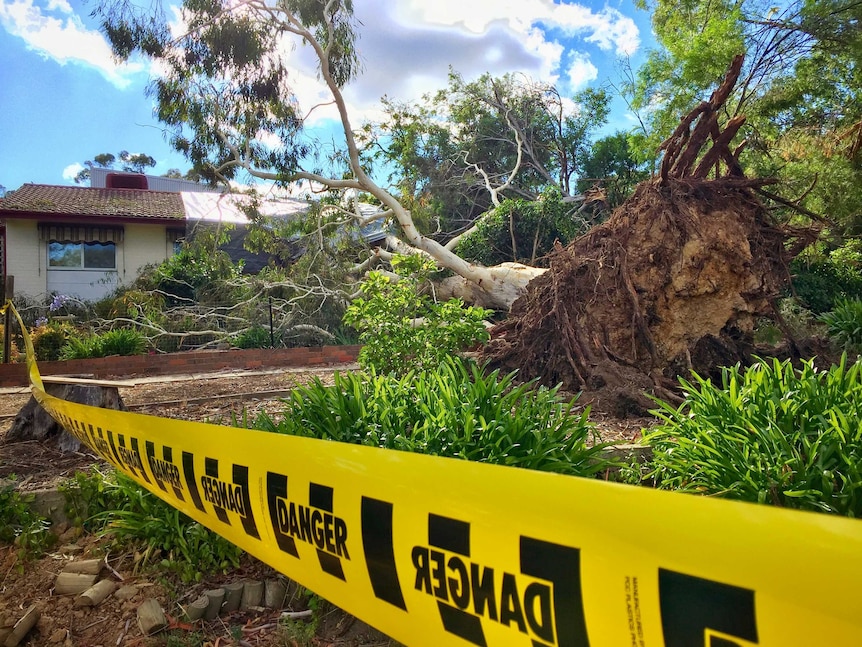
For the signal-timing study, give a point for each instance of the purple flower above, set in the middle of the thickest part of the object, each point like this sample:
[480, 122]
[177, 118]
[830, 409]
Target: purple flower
[42, 321]
[58, 302]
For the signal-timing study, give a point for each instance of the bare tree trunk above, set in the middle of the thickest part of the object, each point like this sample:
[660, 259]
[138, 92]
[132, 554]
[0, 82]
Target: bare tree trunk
[497, 287]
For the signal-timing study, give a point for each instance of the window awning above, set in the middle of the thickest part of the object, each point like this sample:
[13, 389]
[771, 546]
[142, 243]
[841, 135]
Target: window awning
[80, 233]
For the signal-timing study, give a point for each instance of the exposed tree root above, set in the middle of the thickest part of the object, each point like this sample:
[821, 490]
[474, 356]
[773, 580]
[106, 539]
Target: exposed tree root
[675, 280]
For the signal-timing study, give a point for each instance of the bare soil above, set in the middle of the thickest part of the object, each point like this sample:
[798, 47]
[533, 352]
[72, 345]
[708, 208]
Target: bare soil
[219, 398]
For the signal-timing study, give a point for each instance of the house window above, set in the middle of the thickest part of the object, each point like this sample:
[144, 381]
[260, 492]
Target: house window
[87, 256]
[176, 240]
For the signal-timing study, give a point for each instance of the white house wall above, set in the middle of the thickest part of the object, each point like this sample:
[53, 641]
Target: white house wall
[86, 285]
[27, 261]
[142, 245]
[25, 257]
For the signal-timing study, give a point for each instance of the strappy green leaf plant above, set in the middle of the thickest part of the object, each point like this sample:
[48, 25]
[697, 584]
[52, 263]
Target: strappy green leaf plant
[770, 433]
[454, 410]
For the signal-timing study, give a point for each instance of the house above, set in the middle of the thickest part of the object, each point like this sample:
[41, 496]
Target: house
[84, 241]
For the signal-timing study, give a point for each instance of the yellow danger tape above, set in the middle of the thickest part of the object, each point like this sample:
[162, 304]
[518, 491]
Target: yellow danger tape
[438, 551]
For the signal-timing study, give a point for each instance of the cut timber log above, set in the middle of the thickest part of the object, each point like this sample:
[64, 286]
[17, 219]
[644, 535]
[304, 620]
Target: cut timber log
[195, 611]
[232, 596]
[96, 593]
[73, 583]
[216, 598]
[85, 566]
[151, 617]
[24, 625]
[274, 592]
[252, 594]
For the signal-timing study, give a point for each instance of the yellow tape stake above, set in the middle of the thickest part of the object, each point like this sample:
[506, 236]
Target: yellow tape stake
[437, 551]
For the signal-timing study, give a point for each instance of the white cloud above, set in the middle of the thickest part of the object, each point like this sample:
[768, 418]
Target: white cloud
[608, 28]
[59, 5]
[57, 33]
[581, 71]
[71, 171]
[409, 46]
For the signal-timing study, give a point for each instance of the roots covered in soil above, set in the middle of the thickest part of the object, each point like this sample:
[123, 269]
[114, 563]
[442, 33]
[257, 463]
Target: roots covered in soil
[673, 281]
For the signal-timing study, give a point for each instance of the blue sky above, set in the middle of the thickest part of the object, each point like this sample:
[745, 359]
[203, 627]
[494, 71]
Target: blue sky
[63, 99]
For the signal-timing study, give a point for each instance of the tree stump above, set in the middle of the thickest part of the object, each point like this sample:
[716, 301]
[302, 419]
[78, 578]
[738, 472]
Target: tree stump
[34, 423]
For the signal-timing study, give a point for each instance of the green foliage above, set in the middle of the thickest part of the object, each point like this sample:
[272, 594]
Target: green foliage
[185, 638]
[133, 516]
[436, 147]
[844, 325]
[183, 277]
[522, 230]
[49, 339]
[224, 81]
[20, 525]
[799, 91]
[821, 281]
[89, 495]
[139, 305]
[610, 162]
[254, 337]
[129, 162]
[800, 322]
[403, 328]
[453, 410]
[83, 347]
[120, 341]
[768, 434]
[301, 632]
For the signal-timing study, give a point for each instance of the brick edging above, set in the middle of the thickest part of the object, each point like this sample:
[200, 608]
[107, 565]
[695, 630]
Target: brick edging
[187, 362]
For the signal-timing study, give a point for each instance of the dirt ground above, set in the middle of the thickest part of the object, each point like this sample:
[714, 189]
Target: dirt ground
[216, 398]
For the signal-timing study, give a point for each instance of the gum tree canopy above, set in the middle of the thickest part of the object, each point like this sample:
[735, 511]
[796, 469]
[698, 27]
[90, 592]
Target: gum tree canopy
[225, 95]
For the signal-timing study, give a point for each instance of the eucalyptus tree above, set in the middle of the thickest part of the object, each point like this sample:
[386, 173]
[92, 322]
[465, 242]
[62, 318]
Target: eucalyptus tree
[226, 96]
[611, 164]
[125, 161]
[462, 150]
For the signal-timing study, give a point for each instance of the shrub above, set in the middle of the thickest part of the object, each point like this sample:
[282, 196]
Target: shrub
[192, 270]
[402, 328]
[844, 324]
[769, 434]
[453, 410]
[522, 230]
[83, 347]
[254, 337]
[19, 524]
[121, 341]
[823, 280]
[49, 339]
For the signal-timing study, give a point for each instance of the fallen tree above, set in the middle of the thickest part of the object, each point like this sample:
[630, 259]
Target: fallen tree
[225, 95]
[674, 281]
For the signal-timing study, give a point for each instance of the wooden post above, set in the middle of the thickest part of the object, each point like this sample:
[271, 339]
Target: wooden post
[151, 617]
[8, 294]
[73, 583]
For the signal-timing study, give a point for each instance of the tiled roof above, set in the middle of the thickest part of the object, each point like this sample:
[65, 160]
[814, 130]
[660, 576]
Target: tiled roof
[46, 199]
